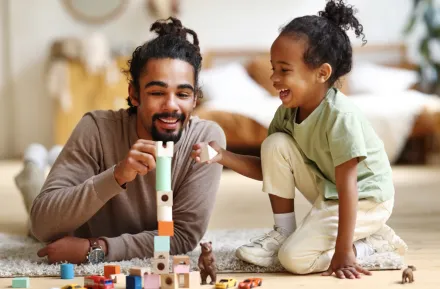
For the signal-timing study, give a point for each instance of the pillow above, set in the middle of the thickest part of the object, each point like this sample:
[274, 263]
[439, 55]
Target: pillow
[367, 77]
[229, 82]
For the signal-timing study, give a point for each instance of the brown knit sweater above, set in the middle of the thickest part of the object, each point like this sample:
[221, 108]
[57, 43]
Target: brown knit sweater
[81, 197]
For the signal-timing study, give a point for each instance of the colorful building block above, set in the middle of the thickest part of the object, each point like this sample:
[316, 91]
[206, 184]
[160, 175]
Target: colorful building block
[166, 228]
[186, 280]
[138, 271]
[67, 271]
[151, 281]
[117, 278]
[164, 151]
[163, 173]
[164, 198]
[133, 282]
[162, 243]
[111, 270]
[161, 266]
[207, 153]
[20, 282]
[169, 281]
[165, 213]
[181, 264]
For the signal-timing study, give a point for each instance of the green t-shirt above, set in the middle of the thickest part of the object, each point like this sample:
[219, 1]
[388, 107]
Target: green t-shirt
[335, 132]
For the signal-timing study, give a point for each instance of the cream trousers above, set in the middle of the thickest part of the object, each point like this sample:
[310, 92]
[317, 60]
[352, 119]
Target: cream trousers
[310, 248]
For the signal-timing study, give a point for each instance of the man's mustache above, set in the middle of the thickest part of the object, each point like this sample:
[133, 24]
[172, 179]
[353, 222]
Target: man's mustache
[178, 116]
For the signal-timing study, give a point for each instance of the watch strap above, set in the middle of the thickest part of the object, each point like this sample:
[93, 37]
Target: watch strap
[94, 243]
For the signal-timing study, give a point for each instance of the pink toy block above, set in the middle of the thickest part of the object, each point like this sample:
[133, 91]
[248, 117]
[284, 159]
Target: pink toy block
[181, 269]
[151, 281]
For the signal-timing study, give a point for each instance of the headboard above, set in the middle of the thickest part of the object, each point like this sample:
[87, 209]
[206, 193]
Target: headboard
[257, 62]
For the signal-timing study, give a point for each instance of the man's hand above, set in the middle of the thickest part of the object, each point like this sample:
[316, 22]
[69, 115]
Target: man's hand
[140, 160]
[344, 265]
[197, 151]
[68, 249]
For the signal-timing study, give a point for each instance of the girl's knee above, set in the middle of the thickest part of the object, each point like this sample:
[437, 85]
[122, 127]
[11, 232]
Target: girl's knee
[277, 141]
[296, 261]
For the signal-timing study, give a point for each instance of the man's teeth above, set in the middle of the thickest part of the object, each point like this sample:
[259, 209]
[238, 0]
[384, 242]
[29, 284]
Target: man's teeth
[173, 120]
[283, 90]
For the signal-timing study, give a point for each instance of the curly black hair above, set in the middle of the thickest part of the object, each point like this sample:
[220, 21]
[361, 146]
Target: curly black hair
[171, 42]
[326, 36]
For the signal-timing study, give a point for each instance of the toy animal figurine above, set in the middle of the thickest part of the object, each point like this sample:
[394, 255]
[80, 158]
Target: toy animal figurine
[207, 264]
[408, 275]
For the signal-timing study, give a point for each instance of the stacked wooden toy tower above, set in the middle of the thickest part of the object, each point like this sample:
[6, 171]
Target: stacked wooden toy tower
[169, 278]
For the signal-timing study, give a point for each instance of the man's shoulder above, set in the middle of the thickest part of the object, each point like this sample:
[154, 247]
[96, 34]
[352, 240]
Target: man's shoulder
[205, 130]
[108, 115]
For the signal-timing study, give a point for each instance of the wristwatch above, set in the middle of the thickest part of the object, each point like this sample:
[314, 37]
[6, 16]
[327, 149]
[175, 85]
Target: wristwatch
[96, 254]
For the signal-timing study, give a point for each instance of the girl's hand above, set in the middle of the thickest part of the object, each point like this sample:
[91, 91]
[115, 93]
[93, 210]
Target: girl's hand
[197, 151]
[344, 265]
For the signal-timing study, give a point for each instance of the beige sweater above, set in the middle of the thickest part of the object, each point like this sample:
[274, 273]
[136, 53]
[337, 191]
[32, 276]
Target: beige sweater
[81, 197]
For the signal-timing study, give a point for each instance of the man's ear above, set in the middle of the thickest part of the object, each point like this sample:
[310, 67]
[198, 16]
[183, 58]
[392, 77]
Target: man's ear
[132, 94]
[323, 73]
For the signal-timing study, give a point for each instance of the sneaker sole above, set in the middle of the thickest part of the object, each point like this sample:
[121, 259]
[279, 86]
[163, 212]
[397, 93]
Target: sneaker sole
[255, 260]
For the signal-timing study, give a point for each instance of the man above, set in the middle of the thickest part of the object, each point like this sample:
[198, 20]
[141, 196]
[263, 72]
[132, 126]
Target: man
[100, 194]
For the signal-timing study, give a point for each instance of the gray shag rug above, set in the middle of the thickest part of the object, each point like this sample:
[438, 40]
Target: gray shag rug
[18, 257]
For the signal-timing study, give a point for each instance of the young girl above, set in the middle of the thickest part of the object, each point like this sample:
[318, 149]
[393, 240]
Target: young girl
[319, 143]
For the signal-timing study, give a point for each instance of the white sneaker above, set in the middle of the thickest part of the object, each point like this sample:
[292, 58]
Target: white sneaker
[386, 240]
[262, 250]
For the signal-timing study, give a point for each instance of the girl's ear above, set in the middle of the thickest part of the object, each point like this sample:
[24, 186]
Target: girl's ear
[132, 94]
[324, 73]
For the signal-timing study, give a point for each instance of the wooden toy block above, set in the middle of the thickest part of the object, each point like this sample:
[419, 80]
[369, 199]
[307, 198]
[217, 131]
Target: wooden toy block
[111, 270]
[169, 281]
[181, 264]
[117, 278]
[181, 260]
[163, 174]
[161, 255]
[184, 280]
[161, 265]
[162, 151]
[138, 271]
[151, 281]
[207, 153]
[165, 213]
[133, 282]
[20, 282]
[162, 243]
[67, 271]
[164, 198]
[166, 228]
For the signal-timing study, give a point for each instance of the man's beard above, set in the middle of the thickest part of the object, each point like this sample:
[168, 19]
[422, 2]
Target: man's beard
[168, 135]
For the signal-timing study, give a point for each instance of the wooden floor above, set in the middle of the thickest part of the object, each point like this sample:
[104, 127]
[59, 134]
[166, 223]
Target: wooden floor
[416, 219]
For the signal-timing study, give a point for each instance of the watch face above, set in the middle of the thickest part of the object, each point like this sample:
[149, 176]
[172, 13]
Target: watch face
[96, 256]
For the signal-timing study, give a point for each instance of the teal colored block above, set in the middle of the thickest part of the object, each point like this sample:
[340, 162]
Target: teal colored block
[162, 243]
[163, 173]
[20, 282]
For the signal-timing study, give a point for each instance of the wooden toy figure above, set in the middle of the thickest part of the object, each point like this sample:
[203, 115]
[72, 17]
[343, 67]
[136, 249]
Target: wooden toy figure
[207, 264]
[408, 275]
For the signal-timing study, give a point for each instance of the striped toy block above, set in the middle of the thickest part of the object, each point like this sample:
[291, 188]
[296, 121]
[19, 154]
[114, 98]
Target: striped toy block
[166, 228]
[162, 243]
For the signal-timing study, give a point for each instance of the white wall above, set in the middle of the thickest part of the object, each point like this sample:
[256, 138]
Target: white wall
[33, 25]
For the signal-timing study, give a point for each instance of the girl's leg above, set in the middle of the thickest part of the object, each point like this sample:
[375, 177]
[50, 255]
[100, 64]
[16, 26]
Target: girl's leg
[311, 248]
[284, 170]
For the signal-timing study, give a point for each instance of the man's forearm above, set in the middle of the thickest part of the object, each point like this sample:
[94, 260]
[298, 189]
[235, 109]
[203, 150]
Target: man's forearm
[61, 208]
[141, 245]
[248, 166]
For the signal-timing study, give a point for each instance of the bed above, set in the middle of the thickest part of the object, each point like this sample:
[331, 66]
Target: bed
[239, 96]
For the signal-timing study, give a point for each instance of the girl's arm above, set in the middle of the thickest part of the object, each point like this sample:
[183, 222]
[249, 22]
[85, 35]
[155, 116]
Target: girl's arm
[248, 166]
[346, 184]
